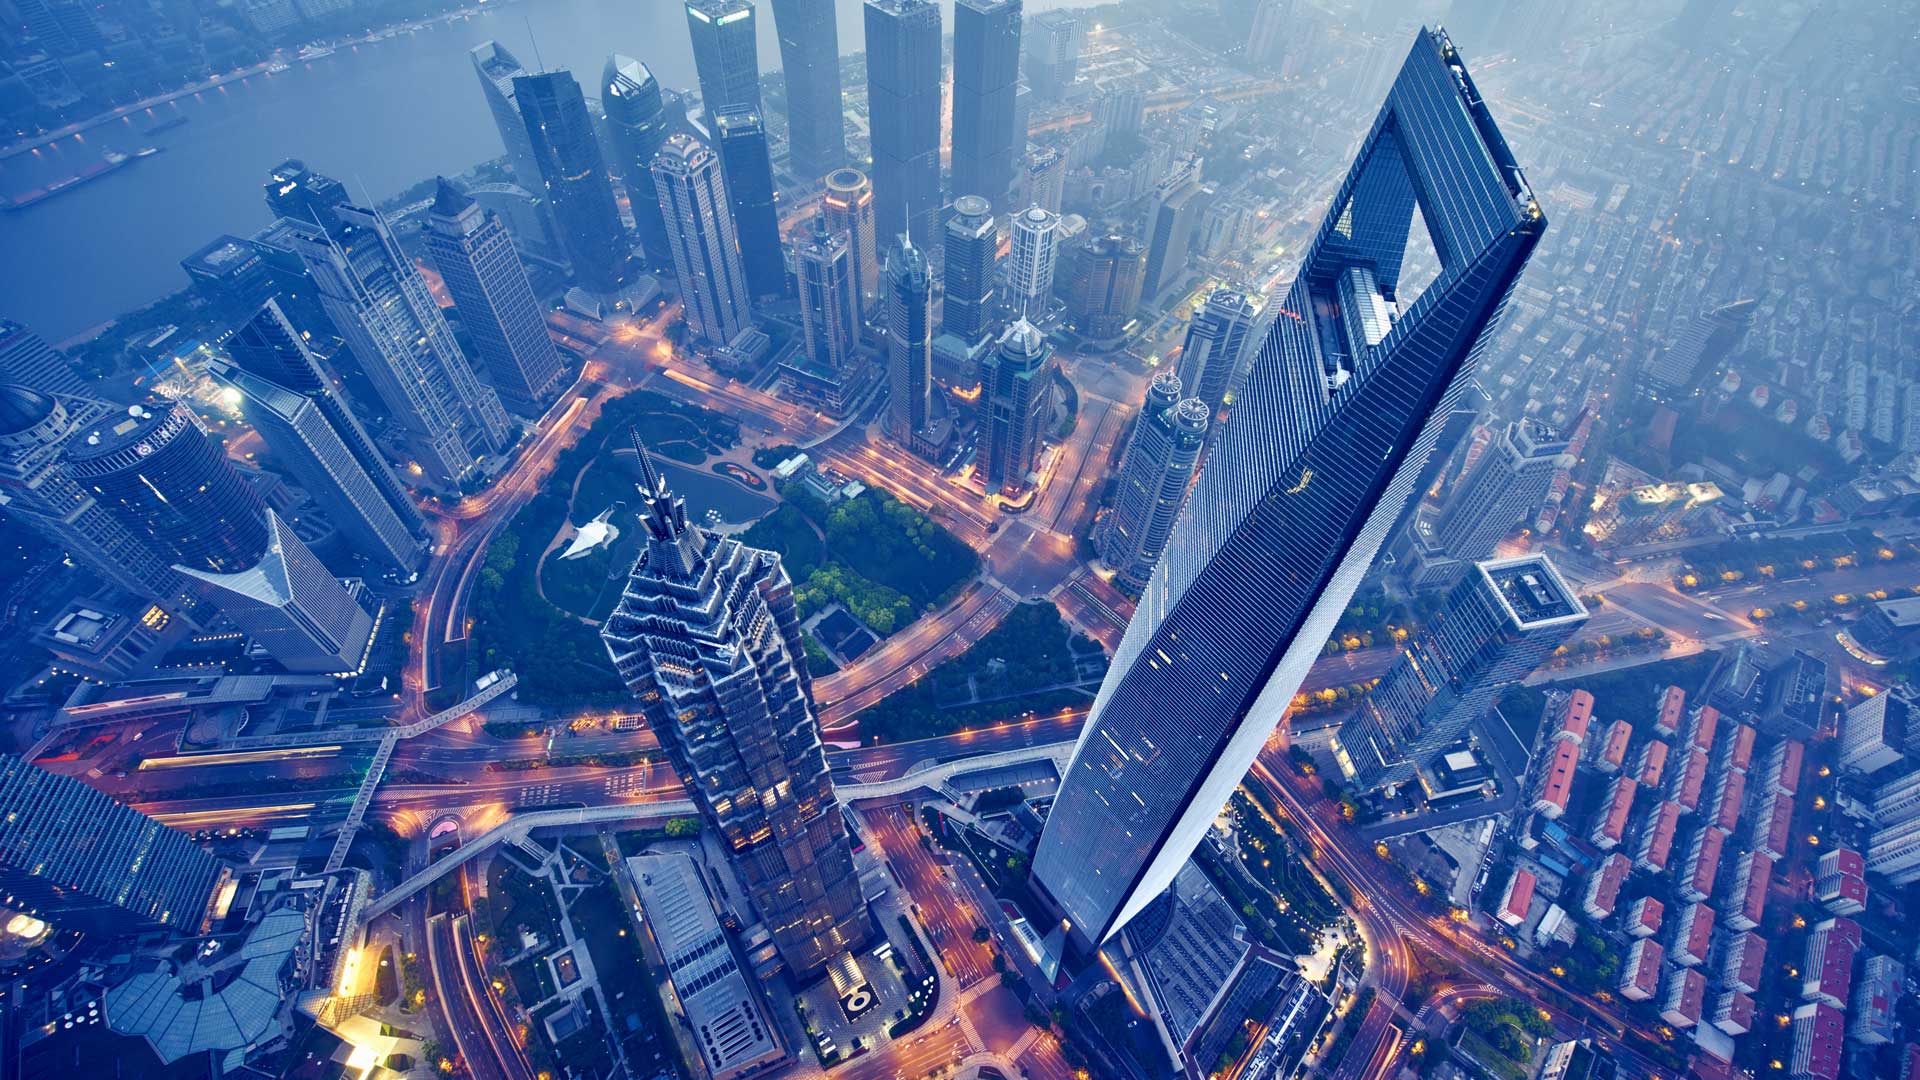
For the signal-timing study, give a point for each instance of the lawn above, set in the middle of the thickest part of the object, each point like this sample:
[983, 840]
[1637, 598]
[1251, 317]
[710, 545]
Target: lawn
[1016, 668]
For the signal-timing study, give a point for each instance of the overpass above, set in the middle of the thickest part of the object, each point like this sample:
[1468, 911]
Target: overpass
[927, 776]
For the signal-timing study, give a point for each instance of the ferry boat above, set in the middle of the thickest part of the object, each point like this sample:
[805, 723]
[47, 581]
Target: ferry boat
[109, 162]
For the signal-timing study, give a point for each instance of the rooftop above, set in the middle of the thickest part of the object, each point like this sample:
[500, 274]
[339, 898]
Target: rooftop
[1533, 591]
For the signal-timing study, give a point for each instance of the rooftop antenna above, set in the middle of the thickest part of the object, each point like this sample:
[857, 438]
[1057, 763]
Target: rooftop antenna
[537, 62]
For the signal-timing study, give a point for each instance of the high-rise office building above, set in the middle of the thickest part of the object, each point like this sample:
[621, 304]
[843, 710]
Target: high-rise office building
[1504, 488]
[399, 337]
[1118, 114]
[1152, 483]
[986, 73]
[1319, 459]
[73, 857]
[1053, 53]
[726, 54]
[27, 360]
[495, 302]
[903, 111]
[566, 149]
[909, 342]
[297, 192]
[638, 123]
[1499, 623]
[290, 606]
[268, 347]
[829, 370]
[740, 138]
[1014, 381]
[848, 206]
[1216, 345]
[1103, 287]
[809, 35]
[1269, 40]
[707, 637]
[155, 468]
[1703, 346]
[302, 436]
[38, 489]
[497, 69]
[1030, 270]
[1042, 179]
[706, 257]
[1176, 210]
[971, 259]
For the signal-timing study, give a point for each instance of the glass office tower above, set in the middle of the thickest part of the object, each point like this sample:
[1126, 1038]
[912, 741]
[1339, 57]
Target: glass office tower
[809, 35]
[1340, 412]
[986, 73]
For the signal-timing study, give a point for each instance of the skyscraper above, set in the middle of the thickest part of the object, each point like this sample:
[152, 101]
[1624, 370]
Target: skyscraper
[495, 302]
[1505, 487]
[706, 258]
[268, 347]
[1036, 248]
[1014, 381]
[809, 34]
[1321, 455]
[986, 72]
[1119, 113]
[1043, 178]
[38, 489]
[1268, 40]
[288, 604]
[155, 468]
[848, 206]
[638, 123]
[1703, 346]
[1216, 345]
[566, 149]
[909, 342]
[903, 110]
[376, 298]
[829, 370]
[1498, 624]
[971, 257]
[27, 360]
[75, 858]
[1152, 483]
[297, 192]
[1176, 209]
[497, 69]
[1053, 53]
[1103, 292]
[726, 55]
[740, 139]
[707, 638]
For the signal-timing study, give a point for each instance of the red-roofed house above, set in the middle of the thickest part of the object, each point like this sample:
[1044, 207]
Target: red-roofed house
[1656, 838]
[1653, 763]
[1729, 795]
[1688, 782]
[1673, 706]
[1686, 993]
[1783, 767]
[1740, 748]
[1748, 895]
[1610, 825]
[1518, 899]
[1733, 1012]
[1703, 865]
[1556, 780]
[1640, 975]
[1827, 974]
[1578, 717]
[1876, 998]
[1603, 886]
[1817, 1035]
[1613, 749]
[1840, 883]
[1773, 826]
[1701, 729]
[1645, 916]
[1692, 936]
[1744, 963]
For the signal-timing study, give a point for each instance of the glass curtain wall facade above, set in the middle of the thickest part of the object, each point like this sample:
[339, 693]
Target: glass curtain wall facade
[1337, 421]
